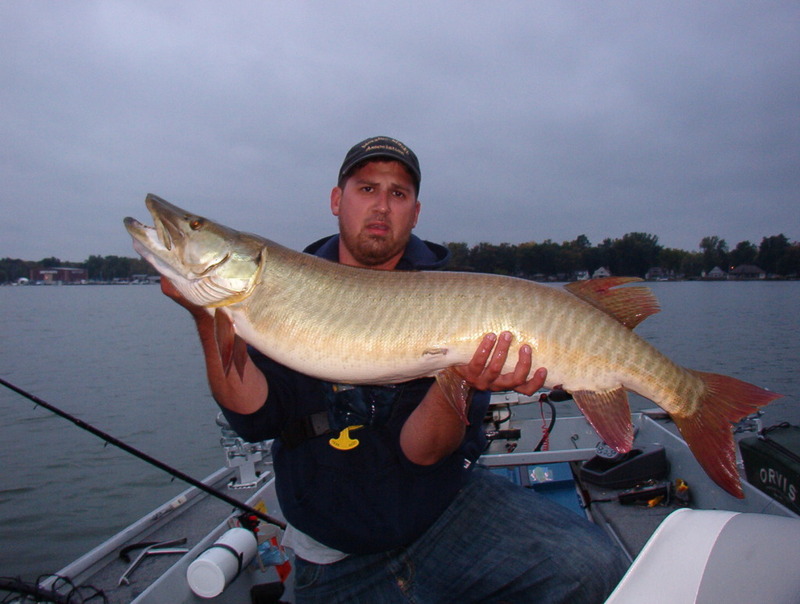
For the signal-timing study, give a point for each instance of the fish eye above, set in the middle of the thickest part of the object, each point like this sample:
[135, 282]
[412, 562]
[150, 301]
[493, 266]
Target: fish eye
[196, 224]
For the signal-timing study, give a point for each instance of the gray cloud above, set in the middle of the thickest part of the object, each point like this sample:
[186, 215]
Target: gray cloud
[532, 120]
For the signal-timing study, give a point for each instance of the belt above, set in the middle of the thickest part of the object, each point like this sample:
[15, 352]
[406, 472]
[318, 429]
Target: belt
[298, 430]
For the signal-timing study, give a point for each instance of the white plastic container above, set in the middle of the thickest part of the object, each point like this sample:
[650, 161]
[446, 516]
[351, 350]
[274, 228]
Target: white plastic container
[216, 567]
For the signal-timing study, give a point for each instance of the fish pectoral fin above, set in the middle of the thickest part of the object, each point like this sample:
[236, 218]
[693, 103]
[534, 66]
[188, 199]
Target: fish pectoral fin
[456, 390]
[232, 349]
[609, 414]
[628, 305]
[239, 355]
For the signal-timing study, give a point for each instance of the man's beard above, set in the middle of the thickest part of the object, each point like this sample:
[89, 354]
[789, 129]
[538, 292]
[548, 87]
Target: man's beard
[372, 250]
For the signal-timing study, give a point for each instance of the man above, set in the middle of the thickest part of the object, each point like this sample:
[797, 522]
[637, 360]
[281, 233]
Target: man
[378, 484]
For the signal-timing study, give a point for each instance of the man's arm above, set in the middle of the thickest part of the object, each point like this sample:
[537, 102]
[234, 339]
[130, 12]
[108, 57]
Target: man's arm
[433, 431]
[245, 394]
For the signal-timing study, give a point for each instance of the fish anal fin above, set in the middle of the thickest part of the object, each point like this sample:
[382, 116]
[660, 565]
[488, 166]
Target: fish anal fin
[456, 390]
[232, 349]
[609, 414]
[709, 431]
[628, 305]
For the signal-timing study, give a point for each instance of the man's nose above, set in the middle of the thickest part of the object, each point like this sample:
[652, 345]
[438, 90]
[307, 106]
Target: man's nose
[382, 201]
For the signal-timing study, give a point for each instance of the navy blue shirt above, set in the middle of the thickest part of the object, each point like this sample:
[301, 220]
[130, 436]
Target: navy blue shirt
[370, 497]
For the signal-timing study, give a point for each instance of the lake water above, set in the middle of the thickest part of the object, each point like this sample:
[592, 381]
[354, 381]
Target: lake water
[127, 360]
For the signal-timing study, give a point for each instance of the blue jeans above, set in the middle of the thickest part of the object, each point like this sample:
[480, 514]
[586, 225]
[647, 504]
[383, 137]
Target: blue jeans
[497, 542]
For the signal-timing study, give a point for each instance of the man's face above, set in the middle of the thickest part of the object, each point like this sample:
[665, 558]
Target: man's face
[377, 209]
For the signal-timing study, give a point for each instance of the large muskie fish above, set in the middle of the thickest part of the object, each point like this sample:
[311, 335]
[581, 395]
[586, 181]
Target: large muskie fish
[351, 325]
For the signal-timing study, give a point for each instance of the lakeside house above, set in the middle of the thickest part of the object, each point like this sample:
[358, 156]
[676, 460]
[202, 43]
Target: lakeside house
[656, 273]
[747, 271]
[715, 274]
[740, 273]
[59, 274]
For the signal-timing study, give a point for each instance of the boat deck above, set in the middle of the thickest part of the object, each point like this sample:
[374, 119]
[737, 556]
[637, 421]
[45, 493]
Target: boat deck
[630, 525]
[193, 516]
[201, 519]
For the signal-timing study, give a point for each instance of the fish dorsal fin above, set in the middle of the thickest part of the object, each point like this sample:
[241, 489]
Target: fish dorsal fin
[628, 305]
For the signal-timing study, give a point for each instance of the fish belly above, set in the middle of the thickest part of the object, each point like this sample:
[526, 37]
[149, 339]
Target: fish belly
[388, 330]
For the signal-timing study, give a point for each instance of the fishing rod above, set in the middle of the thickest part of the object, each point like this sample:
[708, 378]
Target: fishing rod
[145, 457]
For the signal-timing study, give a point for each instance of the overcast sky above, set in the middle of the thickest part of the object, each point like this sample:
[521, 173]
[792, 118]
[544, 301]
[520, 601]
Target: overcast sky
[532, 120]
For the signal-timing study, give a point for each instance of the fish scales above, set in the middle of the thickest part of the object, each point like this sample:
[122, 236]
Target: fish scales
[393, 326]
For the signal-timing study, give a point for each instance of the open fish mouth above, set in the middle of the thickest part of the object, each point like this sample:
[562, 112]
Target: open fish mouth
[165, 220]
[166, 229]
[179, 242]
[163, 233]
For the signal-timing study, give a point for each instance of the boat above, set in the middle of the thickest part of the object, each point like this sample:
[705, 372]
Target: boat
[686, 538]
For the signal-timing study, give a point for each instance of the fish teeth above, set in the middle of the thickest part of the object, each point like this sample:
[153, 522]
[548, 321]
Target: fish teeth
[163, 234]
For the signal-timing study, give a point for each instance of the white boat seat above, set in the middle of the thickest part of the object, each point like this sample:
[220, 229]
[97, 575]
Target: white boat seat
[713, 556]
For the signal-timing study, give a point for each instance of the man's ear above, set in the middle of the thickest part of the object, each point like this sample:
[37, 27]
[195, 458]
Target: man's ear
[336, 198]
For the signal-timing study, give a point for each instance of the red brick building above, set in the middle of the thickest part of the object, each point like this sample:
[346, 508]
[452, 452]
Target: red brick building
[59, 274]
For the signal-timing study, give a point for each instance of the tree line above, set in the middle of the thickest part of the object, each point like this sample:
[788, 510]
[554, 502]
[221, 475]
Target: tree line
[634, 254]
[99, 268]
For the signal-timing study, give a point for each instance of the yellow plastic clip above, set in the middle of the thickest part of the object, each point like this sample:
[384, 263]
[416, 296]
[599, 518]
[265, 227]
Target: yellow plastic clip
[343, 442]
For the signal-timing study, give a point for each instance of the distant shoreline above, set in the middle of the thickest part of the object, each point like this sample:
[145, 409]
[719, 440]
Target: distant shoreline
[155, 280]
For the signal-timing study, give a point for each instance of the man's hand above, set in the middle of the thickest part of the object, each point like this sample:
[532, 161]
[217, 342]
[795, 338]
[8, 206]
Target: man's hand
[434, 431]
[483, 371]
[243, 392]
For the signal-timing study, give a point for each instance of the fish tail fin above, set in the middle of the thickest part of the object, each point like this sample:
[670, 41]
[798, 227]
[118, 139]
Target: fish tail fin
[709, 431]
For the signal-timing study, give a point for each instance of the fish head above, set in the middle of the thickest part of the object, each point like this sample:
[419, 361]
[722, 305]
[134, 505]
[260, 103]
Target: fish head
[210, 264]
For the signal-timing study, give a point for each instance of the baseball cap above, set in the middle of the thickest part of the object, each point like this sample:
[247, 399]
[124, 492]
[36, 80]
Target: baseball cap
[381, 146]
